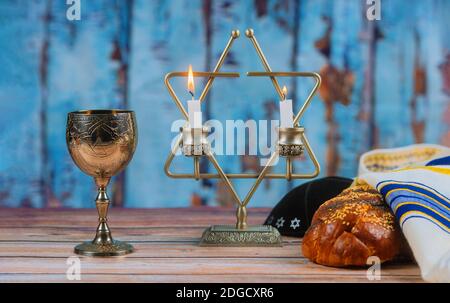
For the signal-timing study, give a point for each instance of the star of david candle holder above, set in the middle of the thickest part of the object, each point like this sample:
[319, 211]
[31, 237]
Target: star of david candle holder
[292, 143]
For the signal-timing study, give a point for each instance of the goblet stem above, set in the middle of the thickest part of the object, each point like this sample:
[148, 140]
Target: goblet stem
[103, 243]
[103, 235]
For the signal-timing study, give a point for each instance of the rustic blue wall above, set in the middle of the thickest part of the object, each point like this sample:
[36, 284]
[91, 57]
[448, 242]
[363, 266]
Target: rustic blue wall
[387, 83]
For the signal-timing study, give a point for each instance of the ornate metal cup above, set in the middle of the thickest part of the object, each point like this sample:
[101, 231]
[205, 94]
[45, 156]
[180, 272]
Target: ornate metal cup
[101, 143]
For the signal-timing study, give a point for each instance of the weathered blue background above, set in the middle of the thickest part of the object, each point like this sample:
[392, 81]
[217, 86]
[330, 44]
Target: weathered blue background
[392, 88]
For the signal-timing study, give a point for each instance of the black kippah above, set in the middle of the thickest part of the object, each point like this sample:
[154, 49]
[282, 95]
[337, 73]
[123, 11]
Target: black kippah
[292, 215]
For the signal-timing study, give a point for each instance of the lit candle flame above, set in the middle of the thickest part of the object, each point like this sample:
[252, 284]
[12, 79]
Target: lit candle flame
[191, 85]
[284, 90]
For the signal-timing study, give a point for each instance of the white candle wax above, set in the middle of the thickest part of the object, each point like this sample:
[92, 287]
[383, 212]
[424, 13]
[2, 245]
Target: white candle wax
[195, 122]
[286, 114]
[195, 114]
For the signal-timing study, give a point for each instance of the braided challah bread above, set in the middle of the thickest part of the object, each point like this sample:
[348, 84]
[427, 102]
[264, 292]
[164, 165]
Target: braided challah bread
[351, 227]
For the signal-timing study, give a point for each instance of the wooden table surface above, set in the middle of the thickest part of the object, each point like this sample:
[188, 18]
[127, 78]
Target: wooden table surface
[35, 245]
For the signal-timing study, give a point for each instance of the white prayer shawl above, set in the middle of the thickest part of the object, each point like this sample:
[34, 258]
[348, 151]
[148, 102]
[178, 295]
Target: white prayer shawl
[415, 182]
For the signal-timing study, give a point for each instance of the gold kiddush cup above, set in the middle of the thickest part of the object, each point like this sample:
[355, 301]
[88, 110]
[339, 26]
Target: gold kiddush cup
[101, 143]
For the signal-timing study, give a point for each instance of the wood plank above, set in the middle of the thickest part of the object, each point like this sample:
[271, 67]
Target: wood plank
[198, 211]
[212, 278]
[22, 42]
[151, 250]
[313, 28]
[348, 133]
[247, 98]
[138, 234]
[77, 234]
[93, 42]
[44, 75]
[434, 53]
[161, 43]
[164, 252]
[120, 217]
[193, 266]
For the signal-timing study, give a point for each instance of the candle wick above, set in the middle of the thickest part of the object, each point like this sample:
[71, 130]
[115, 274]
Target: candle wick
[192, 94]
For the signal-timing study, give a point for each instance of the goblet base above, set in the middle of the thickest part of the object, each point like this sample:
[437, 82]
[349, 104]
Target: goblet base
[115, 248]
[228, 235]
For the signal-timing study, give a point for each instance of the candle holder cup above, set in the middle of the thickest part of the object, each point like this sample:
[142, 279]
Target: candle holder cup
[290, 141]
[194, 141]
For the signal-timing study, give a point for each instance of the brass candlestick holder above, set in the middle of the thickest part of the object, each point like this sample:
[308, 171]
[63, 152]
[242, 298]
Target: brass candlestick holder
[292, 143]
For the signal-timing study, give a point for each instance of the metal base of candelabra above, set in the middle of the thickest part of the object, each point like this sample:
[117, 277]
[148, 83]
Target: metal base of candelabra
[229, 235]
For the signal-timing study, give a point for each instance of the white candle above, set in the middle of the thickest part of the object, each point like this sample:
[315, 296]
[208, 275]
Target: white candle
[195, 114]
[194, 110]
[286, 114]
[195, 123]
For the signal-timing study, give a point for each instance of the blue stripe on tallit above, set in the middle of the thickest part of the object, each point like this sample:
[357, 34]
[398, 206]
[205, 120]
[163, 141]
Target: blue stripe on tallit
[413, 183]
[415, 208]
[439, 161]
[384, 190]
[409, 193]
[406, 196]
